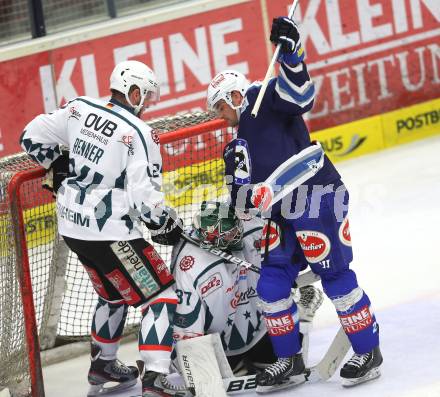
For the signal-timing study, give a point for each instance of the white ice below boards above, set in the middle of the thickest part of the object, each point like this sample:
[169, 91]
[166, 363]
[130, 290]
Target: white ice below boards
[394, 220]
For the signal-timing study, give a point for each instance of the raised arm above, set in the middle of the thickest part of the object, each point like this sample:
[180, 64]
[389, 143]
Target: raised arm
[293, 90]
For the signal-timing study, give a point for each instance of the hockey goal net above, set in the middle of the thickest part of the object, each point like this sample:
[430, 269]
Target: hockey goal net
[46, 299]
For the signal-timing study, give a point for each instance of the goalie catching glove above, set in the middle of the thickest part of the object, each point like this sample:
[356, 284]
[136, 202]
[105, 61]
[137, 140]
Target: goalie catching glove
[168, 230]
[285, 32]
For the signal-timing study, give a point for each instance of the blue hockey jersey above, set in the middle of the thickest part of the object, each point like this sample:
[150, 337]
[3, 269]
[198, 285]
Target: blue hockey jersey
[277, 133]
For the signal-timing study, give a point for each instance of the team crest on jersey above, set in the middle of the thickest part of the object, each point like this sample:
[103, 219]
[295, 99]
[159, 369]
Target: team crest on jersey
[186, 263]
[273, 237]
[315, 245]
[344, 233]
[74, 113]
[155, 137]
[242, 162]
[127, 140]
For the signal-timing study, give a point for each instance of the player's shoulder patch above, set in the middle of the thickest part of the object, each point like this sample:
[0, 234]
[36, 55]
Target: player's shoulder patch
[186, 263]
[192, 259]
[210, 284]
[155, 137]
[242, 174]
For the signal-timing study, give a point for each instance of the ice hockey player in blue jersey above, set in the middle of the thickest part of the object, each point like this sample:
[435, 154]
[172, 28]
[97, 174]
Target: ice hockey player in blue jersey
[312, 220]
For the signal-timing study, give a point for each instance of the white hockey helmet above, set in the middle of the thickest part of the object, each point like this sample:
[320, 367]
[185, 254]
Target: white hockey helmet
[129, 73]
[222, 85]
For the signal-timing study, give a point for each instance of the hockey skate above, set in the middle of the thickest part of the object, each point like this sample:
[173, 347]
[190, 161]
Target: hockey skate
[155, 384]
[105, 371]
[285, 372]
[361, 368]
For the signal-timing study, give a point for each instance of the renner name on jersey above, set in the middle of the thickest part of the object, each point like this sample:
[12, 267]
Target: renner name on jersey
[115, 168]
[215, 296]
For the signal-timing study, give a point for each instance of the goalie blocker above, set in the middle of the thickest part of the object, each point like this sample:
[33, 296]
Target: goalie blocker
[131, 271]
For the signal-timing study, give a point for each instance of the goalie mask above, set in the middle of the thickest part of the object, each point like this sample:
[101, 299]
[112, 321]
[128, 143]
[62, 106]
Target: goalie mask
[223, 84]
[217, 225]
[129, 73]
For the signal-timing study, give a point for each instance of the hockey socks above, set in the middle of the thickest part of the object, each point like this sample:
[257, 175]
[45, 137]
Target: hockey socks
[107, 326]
[156, 332]
[358, 321]
[353, 307]
[283, 330]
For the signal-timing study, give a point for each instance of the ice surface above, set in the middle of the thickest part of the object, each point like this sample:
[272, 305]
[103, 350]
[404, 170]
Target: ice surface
[394, 221]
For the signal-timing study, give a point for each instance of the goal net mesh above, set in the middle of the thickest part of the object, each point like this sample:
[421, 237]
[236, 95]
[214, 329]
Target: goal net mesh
[64, 299]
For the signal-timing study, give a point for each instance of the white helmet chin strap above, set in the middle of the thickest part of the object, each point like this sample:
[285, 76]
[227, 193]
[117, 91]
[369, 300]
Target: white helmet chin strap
[238, 107]
[136, 108]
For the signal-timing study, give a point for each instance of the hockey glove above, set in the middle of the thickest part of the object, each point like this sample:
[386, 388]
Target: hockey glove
[169, 231]
[262, 195]
[57, 172]
[285, 32]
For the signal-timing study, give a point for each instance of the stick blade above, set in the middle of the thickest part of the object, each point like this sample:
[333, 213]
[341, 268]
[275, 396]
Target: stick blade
[328, 365]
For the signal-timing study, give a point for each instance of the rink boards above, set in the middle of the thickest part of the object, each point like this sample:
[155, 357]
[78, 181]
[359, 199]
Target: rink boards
[379, 132]
[204, 180]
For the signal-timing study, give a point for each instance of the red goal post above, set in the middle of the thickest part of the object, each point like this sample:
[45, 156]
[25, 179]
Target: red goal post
[46, 299]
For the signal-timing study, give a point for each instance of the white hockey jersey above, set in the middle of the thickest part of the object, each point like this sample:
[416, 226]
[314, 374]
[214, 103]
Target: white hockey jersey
[214, 296]
[115, 172]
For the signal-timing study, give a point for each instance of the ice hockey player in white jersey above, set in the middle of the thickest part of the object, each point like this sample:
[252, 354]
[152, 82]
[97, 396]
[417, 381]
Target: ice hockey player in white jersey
[107, 184]
[215, 296]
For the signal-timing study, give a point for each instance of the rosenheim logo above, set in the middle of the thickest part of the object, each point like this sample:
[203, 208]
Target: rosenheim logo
[186, 263]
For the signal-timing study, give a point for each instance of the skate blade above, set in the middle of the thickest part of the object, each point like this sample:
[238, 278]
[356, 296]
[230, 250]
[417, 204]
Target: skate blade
[102, 389]
[293, 381]
[370, 375]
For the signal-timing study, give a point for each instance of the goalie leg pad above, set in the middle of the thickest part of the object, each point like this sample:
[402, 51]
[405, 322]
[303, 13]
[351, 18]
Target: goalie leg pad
[202, 362]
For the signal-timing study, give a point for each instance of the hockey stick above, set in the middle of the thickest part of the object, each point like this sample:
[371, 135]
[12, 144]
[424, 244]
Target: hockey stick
[222, 254]
[301, 281]
[322, 371]
[268, 76]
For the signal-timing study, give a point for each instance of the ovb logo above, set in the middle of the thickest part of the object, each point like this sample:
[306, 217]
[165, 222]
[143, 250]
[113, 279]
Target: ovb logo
[105, 127]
